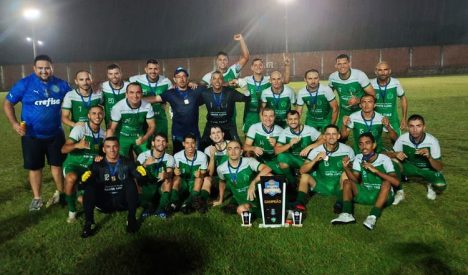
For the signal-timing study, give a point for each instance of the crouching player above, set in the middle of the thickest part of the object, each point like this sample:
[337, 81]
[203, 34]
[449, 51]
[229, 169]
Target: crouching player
[323, 172]
[83, 144]
[188, 185]
[241, 175]
[110, 186]
[370, 182]
[159, 166]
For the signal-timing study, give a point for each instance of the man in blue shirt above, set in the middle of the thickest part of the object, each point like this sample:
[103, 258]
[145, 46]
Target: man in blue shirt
[184, 102]
[41, 95]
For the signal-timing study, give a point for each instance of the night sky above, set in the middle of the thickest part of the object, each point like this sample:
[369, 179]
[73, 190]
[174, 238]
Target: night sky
[92, 30]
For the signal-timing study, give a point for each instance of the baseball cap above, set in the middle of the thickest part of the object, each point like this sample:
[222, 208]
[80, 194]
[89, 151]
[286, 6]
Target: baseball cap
[180, 69]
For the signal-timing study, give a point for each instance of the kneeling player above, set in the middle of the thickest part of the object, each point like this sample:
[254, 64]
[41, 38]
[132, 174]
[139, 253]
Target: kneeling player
[82, 146]
[323, 174]
[110, 185]
[241, 175]
[159, 166]
[369, 183]
[419, 155]
[190, 169]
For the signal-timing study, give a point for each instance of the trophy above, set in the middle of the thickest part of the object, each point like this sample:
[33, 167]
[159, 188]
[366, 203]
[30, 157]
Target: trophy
[297, 219]
[246, 219]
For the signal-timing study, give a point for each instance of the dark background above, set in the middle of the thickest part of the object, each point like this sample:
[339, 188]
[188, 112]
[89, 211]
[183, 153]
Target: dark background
[94, 30]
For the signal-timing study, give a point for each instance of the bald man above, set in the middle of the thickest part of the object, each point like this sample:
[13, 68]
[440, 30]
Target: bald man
[387, 90]
[279, 97]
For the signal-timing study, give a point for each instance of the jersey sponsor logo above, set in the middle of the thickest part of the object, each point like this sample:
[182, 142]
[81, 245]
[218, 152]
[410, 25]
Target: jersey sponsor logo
[272, 188]
[48, 102]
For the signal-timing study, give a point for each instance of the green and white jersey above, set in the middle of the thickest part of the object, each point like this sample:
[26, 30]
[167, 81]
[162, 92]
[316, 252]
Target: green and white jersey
[238, 179]
[369, 180]
[160, 165]
[386, 97]
[361, 125]
[331, 166]
[132, 120]
[308, 135]
[220, 156]
[95, 140]
[405, 145]
[154, 88]
[231, 73]
[347, 88]
[79, 105]
[318, 102]
[260, 136]
[111, 96]
[255, 88]
[188, 167]
[281, 103]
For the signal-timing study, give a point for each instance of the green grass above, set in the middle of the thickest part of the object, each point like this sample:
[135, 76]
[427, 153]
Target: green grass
[416, 237]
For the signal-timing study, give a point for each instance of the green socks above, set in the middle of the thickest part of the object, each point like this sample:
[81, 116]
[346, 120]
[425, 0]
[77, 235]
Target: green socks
[376, 211]
[71, 202]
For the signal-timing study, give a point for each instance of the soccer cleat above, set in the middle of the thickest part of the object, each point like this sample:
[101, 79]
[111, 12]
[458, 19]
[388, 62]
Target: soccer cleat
[369, 223]
[399, 196]
[145, 214]
[161, 214]
[132, 226]
[88, 230]
[186, 209]
[35, 205]
[171, 208]
[71, 217]
[54, 199]
[344, 218]
[431, 194]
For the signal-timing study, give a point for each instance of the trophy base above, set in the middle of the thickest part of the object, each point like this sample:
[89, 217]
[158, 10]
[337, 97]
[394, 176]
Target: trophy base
[246, 225]
[296, 225]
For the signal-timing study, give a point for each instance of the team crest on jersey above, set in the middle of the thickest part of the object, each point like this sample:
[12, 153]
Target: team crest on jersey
[352, 90]
[390, 96]
[55, 88]
[283, 104]
[272, 188]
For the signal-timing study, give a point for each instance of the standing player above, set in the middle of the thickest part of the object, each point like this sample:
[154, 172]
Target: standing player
[367, 121]
[388, 89]
[241, 175]
[256, 83]
[132, 113]
[110, 185]
[350, 84]
[222, 61]
[369, 182]
[294, 143]
[323, 171]
[190, 169]
[322, 108]
[83, 144]
[419, 154]
[261, 139]
[279, 97]
[152, 84]
[113, 90]
[159, 166]
[220, 103]
[41, 132]
[77, 102]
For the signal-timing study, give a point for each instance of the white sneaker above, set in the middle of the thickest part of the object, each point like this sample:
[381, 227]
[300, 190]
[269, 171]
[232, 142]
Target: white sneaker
[369, 223]
[344, 218]
[71, 217]
[54, 199]
[431, 194]
[399, 196]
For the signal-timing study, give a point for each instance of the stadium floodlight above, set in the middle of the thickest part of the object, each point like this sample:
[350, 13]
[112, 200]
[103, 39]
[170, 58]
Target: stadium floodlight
[40, 43]
[28, 39]
[32, 14]
[286, 3]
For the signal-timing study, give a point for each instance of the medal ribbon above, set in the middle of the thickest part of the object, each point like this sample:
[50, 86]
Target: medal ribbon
[113, 169]
[383, 94]
[191, 165]
[152, 89]
[218, 100]
[368, 126]
[83, 102]
[234, 176]
[416, 144]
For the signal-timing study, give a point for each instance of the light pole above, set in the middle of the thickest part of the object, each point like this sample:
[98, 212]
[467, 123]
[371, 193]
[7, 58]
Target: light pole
[32, 14]
[286, 38]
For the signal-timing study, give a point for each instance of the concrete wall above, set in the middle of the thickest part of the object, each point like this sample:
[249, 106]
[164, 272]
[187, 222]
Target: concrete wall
[426, 60]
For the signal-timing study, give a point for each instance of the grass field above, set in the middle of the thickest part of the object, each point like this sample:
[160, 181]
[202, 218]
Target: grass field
[416, 237]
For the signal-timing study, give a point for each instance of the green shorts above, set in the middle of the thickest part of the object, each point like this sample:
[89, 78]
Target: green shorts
[319, 125]
[292, 160]
[77, 168]
[149, 192]
[326, 186]
[368, 197]
[435, 178]
[250, 118]
[395, 125]
[161, 125]
[127, 143]
[273, 164]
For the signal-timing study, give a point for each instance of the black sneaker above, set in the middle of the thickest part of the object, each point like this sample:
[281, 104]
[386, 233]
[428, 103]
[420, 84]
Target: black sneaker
[88, 230]
[186, 209]
[171, 208]
[230, 208]
[197, 203]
